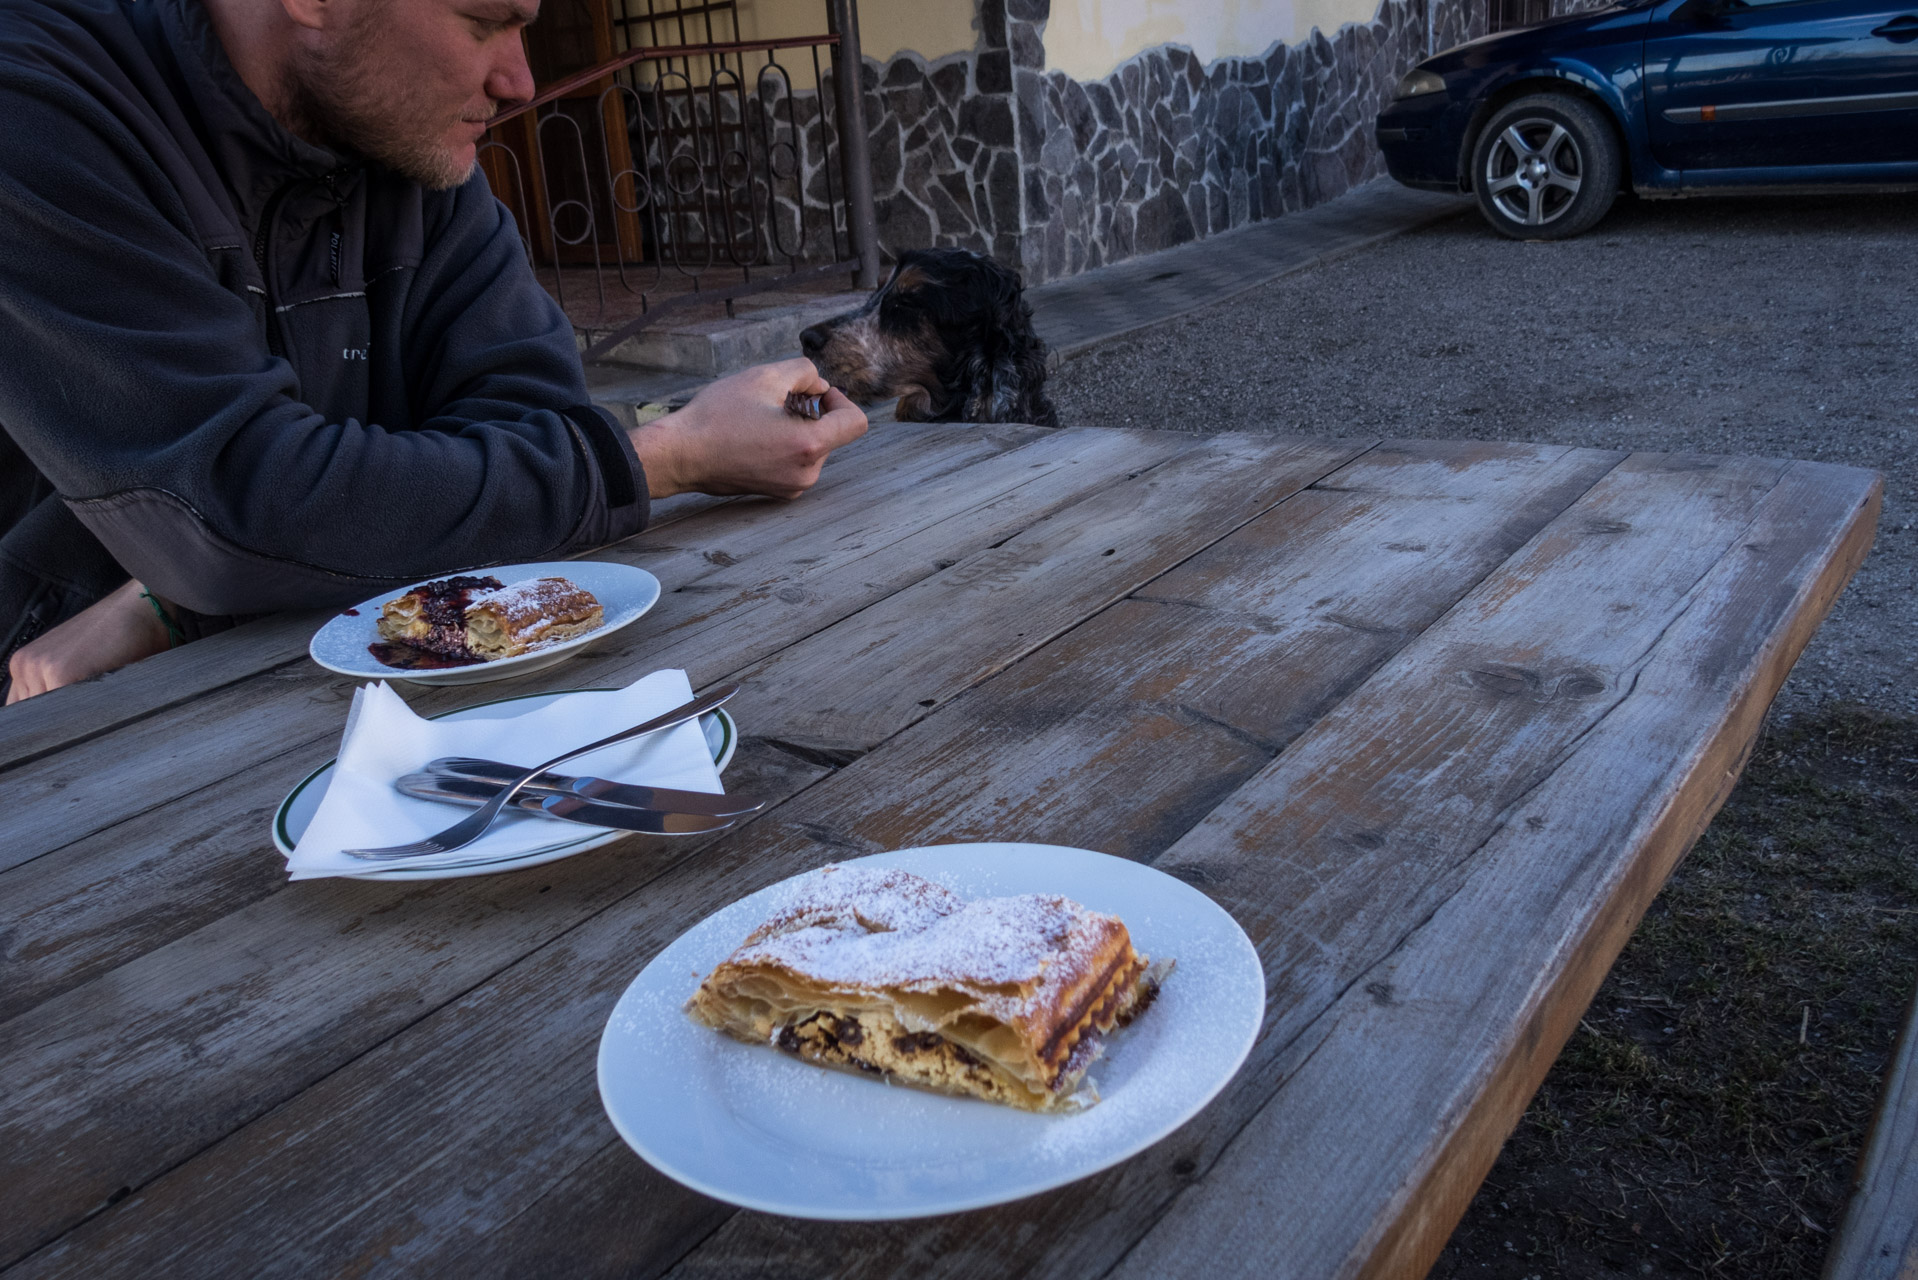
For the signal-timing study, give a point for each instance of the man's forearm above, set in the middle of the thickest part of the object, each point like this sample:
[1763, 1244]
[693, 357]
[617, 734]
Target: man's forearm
[121, 628]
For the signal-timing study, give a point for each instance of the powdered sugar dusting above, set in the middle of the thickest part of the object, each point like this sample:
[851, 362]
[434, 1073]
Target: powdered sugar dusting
[535, 603]
[874, 898]
[857, 927]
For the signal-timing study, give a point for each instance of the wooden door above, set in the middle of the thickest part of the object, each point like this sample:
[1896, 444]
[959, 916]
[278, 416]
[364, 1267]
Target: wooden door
[549, 170]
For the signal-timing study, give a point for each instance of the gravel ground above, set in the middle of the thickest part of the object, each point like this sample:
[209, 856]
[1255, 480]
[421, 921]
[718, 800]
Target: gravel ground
[1780, 327]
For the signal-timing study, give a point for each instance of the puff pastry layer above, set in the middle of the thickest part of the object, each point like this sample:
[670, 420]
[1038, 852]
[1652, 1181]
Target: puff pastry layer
[885, 972]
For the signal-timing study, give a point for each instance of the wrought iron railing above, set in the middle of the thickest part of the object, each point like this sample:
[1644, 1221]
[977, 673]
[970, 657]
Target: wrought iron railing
[676, 174]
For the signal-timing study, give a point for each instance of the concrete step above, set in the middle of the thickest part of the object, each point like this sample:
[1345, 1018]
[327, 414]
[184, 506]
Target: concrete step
[639, 395]
[1072, 315]
[705, 343]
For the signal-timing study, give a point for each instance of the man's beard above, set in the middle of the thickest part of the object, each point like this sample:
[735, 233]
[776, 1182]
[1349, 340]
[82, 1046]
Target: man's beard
[351, 99]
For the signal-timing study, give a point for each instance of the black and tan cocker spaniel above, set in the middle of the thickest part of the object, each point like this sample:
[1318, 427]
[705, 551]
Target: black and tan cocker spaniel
[949, 334]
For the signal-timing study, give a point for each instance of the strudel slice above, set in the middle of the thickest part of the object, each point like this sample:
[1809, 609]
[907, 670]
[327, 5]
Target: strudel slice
[432, 616]
[885, 972]
[481, 618]
[513, 619]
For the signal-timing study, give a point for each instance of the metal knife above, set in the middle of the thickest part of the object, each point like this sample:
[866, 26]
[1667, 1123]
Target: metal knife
[600, 789]
[570, 808]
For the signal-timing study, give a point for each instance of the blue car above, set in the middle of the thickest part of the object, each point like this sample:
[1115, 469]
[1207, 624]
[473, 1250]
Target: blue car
[1673, 97]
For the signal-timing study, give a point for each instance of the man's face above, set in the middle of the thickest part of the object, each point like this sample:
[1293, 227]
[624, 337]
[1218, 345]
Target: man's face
[411, 83]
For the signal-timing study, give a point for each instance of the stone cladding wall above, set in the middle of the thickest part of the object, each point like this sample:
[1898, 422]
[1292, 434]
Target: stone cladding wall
[990, 151]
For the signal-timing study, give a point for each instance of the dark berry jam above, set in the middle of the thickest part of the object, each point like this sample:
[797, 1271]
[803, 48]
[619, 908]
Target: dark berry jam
[408, 658]
[443, 603]
[443, 609]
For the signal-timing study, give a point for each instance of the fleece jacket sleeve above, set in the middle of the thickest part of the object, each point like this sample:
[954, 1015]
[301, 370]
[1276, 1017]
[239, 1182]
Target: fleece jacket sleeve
[144, 389]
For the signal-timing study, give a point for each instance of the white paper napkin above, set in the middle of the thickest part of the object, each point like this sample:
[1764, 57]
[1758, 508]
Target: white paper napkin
[385, 739]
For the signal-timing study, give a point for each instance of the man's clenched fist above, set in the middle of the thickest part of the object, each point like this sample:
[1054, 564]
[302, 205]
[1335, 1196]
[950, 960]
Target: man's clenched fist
[737, 436]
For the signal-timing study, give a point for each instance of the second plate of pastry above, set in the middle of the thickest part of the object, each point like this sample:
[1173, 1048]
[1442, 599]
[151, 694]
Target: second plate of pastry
[764, 1126]
[352, 643]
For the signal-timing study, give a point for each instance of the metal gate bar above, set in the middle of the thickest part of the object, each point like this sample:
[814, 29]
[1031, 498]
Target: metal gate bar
[697, 184]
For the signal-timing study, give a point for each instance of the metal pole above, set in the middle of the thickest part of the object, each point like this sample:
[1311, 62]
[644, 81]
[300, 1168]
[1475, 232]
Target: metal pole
[854, 154]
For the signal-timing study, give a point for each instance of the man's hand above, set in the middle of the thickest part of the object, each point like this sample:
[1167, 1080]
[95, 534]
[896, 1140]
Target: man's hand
[105, 636]
[737, 437]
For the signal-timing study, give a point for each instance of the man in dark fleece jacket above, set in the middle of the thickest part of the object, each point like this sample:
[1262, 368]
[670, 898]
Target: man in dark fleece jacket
[270, 342]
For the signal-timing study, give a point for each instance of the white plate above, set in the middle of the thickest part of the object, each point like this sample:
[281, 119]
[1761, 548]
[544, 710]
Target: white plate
[754, 1127]
[296, 811]
[624, 594]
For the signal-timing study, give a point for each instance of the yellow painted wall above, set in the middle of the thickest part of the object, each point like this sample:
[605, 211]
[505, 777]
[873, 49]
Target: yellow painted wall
[929, 28]
[1087, 39]
[887, 28]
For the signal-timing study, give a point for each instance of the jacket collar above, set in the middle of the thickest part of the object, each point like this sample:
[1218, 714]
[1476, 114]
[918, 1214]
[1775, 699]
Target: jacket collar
[257, 154]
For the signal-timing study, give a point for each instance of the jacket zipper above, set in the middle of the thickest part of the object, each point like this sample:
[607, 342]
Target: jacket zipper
[273, 343]
[336, 241]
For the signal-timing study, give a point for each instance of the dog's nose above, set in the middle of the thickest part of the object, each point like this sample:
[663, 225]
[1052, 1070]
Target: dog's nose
[812, 340]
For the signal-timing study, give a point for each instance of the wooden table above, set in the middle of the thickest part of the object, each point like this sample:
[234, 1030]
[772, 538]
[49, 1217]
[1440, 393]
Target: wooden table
[1433, 721]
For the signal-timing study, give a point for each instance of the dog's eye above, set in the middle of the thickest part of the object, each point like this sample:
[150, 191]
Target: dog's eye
[894, 309]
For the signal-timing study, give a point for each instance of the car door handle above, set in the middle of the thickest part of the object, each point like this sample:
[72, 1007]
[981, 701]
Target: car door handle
[1900, 29]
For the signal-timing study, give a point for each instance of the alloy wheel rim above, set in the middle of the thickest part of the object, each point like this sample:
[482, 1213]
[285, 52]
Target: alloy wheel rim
[1533, 171]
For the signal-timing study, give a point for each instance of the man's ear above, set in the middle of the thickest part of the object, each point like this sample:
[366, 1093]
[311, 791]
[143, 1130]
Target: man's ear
[318, 15]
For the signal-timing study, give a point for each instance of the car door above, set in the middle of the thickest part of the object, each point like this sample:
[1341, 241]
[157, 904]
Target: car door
[1731, 84]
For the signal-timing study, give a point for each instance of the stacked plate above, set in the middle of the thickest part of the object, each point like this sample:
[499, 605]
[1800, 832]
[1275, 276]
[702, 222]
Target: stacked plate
[297, 810]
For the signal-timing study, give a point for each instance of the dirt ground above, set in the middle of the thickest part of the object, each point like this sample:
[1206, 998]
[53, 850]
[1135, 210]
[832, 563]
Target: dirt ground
[1706, 1117]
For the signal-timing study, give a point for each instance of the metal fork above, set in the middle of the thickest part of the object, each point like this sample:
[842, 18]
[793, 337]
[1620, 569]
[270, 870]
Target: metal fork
[469, 829]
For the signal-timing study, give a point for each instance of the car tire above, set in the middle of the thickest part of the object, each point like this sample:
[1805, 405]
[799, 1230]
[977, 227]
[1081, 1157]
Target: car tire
[1545, 167]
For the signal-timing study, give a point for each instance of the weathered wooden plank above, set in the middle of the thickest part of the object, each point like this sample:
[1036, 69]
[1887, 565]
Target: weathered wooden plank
[1879, 1240]
[1041, 752]
[120, 893]
[39, 726]
[78, 914]
[1357, 832]
[768, 566]
[611, 1216]
[1347, 570]
[165, 1054]
[452, 1108]
[1365, 1159]
[65, 717]
[1031, 587]
[239, 966]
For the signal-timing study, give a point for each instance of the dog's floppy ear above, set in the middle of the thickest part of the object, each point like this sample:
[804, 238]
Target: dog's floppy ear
[1005, 374]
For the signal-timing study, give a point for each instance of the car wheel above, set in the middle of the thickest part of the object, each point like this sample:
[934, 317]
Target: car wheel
[1545, 167]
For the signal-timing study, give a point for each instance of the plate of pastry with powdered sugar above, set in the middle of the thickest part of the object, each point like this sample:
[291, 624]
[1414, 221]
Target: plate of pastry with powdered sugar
[485, 625]
[930, 1031]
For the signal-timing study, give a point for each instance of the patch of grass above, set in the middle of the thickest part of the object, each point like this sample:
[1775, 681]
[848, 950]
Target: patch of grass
[1706, 1117]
